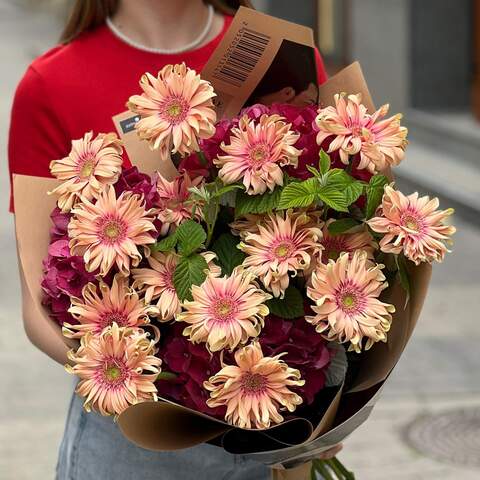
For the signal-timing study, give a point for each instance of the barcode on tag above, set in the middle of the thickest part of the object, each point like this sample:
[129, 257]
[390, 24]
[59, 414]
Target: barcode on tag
[241, 57]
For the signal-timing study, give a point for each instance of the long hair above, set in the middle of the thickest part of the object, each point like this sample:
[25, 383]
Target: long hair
[89, 14]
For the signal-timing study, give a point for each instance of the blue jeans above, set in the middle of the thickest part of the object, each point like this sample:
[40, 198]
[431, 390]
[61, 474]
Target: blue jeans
[93, 448]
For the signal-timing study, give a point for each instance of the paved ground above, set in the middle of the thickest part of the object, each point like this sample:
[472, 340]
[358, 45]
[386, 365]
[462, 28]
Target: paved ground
[439, 371]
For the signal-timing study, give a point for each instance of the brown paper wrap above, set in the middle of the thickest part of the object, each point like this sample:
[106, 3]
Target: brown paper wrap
[166, 426]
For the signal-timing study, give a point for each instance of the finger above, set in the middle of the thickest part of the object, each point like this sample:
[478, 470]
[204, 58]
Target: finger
[330, 453]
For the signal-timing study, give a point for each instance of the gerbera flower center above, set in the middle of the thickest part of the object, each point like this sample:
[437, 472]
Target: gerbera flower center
[108, 318]
[175, 110]
[253, 383]
[411, 222]
[349, 299]
[259, 154]
[112, 230]
[283, 250]
[224, 309]
[357, 131]
[87, 167]
[114, 372]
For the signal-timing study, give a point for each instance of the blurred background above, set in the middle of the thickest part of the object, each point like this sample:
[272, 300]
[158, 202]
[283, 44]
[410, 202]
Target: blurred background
[424, 58]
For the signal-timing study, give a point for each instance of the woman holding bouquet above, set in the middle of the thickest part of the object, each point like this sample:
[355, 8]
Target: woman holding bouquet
[78, 86]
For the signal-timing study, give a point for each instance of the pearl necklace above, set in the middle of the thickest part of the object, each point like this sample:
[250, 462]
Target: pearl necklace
[164, 51]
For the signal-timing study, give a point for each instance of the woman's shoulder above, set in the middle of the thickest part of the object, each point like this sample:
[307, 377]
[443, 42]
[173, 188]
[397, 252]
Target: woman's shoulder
[60, 58]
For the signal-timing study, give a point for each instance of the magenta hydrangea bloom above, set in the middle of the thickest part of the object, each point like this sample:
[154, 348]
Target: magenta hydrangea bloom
[64, 274]
[305, 351]
[131, 180]
[60, 223]
[191, 365]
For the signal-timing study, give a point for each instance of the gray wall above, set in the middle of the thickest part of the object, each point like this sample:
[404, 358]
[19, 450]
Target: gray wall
[298, 11]
[441, 38]
[379, 40]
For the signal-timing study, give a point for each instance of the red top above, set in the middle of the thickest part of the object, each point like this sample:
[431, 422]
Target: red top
[78, 87]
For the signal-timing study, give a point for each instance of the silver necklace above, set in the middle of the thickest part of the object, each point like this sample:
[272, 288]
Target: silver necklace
[164, 51]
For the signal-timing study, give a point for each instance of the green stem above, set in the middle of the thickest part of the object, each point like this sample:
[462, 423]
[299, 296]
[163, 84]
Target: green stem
[335, 468]
[202, 158]
[346, 473]
[349, 167]
[167, 376]
[211, 223]
[320, 467]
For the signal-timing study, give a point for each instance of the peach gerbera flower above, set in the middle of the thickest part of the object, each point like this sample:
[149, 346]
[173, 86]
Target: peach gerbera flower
[334, 245]
[90, 165]
[119, 304]
[255, 390]
[116, 369]
[156, 282]
[412, 225]
[257, 152]
[176, 204]
[109, 231]
[285, 244]
[347, 307]
[249, 223]
[380, 143]
[225, 311]
[176, 110]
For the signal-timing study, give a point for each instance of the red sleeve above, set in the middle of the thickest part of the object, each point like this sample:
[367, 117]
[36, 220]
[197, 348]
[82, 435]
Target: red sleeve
[321, 72]
[36, 135]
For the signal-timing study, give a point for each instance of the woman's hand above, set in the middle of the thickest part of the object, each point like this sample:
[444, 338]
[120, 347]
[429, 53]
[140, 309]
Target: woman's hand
[331, 452]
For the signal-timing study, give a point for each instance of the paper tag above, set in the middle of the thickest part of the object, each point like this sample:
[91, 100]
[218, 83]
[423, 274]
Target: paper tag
[262, 58]
[147, 160]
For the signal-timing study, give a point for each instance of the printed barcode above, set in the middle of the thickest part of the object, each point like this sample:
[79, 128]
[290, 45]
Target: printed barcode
[242, 57]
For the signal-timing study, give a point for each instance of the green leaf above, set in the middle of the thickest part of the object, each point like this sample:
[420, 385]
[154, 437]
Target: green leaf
[245, 203]
[228, 255]
[289, 307]
[191, 236]
[201, 193]
[226, 189]
[403, 276]
[166, 244]
[352, 192]
[339, 178]
[190, 271]
[345, 183]
[313, 171]
[333, 198]
[378, 181]
[342, 225]
[324, 163]
[375, 190]
[299, 194]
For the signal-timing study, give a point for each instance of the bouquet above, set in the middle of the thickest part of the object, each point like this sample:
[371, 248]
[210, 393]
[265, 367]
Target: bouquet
[249, 287]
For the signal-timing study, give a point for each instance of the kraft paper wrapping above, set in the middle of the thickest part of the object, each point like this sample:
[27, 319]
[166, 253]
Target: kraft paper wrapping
[32, 224]
[166, 426]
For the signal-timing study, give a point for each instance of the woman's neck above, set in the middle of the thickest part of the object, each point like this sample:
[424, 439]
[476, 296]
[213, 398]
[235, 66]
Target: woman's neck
[165, 24]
